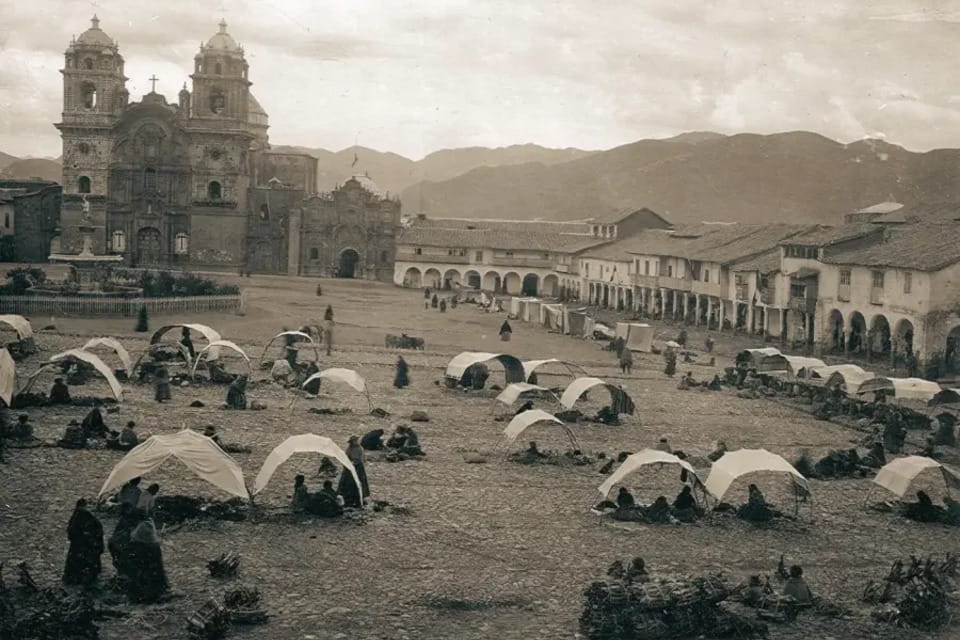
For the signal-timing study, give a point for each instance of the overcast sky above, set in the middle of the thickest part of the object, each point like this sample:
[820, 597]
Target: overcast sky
[413, 76]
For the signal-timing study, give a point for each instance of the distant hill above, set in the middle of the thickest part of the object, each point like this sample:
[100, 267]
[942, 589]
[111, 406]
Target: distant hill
[793, 177]
[6, 159]
[30, 168]
[394, 172]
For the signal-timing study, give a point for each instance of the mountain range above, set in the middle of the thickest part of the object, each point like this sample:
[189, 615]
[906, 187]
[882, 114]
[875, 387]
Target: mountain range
[698, 176]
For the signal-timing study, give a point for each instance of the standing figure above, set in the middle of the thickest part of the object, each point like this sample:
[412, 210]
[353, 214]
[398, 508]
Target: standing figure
[301, 495]
[328, 314]
[348, 486]
[670, 361]
[434, 301]
[187, 342]
[86, 545]
[708, 344]
[93, 425]
[626, 360]
[290, 349]
[402, 378]
[505, 331]
[237, 394]
[443, 305]
[161, 385]
[148, 578]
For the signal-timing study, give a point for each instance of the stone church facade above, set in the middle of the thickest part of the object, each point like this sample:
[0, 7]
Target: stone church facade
[195, 184]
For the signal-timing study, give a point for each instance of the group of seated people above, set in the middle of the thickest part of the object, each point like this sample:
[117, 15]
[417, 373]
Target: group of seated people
[683, 509]
[689, 382]
[793, 594]
[77, 435]
[403, 443]
[533, 455]
[325, 503]
[923, 510]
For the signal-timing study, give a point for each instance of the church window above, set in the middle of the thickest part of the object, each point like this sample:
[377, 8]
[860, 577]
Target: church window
[264, 212]
[213, 191]
[418, 251]
[218, 102]
[89, 94]
[88, 63]
[118, 240]
[6, 220]
[181, 243]
[83, 185]
[217, 69]
[383, 257]
[150, 178]
[314, 253]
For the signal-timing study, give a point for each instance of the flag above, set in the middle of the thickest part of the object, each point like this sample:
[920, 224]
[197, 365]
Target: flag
[355, 160]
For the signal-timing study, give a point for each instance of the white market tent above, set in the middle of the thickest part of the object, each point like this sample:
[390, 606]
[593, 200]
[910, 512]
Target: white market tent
[300, 337]
[552, 317]
[530, 366]
[85, 357]
[303, 443]
[900, 475]
[641, 459]
[530, 310]
[578, 322]
[199, 453]
[8, 377]
[19, 324]
[622, 402]
[753, 356]
[517, 305]
[849, 378]
[736, 464]
[512, 366]
[638, 336]
[513, 391]
[112, 343]
[523, 420]
[901, 388]
[215, 346]
[790, 364]
[207, 332]
[347, 376]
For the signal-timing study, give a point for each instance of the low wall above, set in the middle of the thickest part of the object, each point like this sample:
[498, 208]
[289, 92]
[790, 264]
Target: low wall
[77, 306]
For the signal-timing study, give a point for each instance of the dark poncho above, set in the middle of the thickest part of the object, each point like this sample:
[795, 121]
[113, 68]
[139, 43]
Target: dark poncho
[237, 394]
[347, 486]
[86, 544]
[93, 425]
[401, 379]
[505, 328]
[372, 440]
[59, 394]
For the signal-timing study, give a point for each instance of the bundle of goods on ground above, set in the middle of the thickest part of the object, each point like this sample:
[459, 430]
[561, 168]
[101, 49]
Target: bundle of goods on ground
[916, 593]
[29, 611]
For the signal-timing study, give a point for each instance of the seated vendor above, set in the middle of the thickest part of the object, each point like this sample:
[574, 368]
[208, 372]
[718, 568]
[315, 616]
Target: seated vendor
[685, 499]
[218, 374]
[93, 425]
[715, 384]
[663, 445]
[659, 511]
[237, 394]
[923, 510]
[398, 438]
[533, 452]
[73, 437]
[526, 406]
[327, 468]
[372, 440]
[719, 449]
[756, 509]
[637, 571]
[412, 445]
[22, 429]
[210, 431]
[301, 494]
[796, 587]
[59, 392]
[687, 382]
[625, 498]
[326, 503]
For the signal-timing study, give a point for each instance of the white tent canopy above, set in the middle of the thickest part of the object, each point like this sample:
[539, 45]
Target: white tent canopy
[516, 389]
[736, 464]
[899, 475]
[299, 335]
[902, 388]
[88, 358]
[207, 332]
[530, 366]
[215, 345]
[303, 443]
[199, 453]
[753, 356]
[790, 364]
[523, 420]
[637, 336]
[621, 401]
[348, 376]
[827, 371]
[19, 324]
[637, 461]
[849, 378]
[118, 348]
[8, 377]
[512, 366]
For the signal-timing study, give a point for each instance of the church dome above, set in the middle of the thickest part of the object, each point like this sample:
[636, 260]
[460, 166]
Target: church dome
[95, 35]
[223, 41]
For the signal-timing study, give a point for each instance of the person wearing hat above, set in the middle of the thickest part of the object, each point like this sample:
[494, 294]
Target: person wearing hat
[59, 393]
[128, 437]
[93, 424]
[664, 445]
[348, 486]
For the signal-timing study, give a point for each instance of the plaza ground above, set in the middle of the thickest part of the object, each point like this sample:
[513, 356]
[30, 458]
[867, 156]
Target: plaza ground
[499, 531]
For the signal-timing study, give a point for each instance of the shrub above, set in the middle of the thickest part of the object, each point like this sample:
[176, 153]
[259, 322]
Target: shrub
[21, 279]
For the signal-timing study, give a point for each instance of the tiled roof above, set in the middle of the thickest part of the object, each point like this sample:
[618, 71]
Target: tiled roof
[924, 247]
[536, 237]
[523, 226]
[748, 240]
[764, 263]
[923, 213]
[721, 243]
[825, 236]
[617, 215]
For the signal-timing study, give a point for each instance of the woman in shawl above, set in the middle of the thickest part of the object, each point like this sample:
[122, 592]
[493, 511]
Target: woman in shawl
[187, 342]
[86, 544]
[148, 578]
[626, 360]
[348, 486]
[119, 541]
[237, 394]
[401, 379]
[670, 361]
[161, 385]
[328, 314]
[505, 331]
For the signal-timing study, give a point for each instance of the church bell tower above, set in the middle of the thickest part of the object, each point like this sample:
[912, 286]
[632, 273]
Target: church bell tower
[220, 86]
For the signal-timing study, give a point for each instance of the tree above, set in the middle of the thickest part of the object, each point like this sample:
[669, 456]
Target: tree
[143, 320]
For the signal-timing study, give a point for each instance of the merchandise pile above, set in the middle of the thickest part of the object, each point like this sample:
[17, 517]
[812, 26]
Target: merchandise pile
[28, 611]
[916, 593]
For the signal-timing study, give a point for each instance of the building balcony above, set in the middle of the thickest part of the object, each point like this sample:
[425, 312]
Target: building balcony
[768, 296]
[561, 268]
[519, 261]
[410, 256]
[803, 305]
[876, 295]
[743, 293]
[706, 288]
[677, 284]
[640, 280]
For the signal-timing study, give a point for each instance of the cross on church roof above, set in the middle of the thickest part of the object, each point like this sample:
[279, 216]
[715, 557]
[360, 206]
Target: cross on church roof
[223, 25]
[153, 81]
[95, 22]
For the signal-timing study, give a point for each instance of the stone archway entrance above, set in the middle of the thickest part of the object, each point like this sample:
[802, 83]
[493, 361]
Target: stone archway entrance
[349, 259]
[149, 251]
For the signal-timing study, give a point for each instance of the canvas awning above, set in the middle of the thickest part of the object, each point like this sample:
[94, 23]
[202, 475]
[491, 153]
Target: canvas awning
[736, 464]
[298, 335]
[899, 475]
[753, 356]
[523, 420]
[621, 402]
[118, 348]
[530, 366]
[513, 391]
[828, 370]
[347, 376]
[199, 453]
[901, 388]
[207, 332]
[636, 461]
[789, 364]
[19, 324]
[637, 336]
[88, 358]
[849, 380]
[216, 345]
[512, 366]
[303, 443]
[8, 377]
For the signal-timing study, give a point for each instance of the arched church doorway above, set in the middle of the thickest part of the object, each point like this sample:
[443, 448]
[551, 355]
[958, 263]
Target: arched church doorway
[149, 252]
[348, 264]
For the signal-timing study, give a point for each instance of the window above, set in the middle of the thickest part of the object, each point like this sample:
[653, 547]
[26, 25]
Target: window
[181, 243]
[798, 291]
[907, 282]
[217, 69]
[509, 254]
[264, 212]
[314, 253]
[218, 101]
[150, 179]
[118, 240]
[738, 280]
[83, 185]
[646, 267]
[845, 277]
[764, 282]
[596, 230]
[669, 270]
[383, 257]
[213, 191]
[88, 63]
[706, 275]
[877, 279]
[88, 94]
[478, 256]
[418, 251]
[6, 220]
